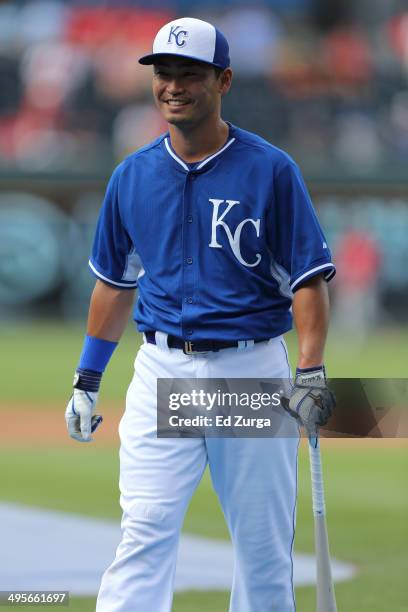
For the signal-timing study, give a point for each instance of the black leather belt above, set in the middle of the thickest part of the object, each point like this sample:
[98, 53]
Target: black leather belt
[191, 348]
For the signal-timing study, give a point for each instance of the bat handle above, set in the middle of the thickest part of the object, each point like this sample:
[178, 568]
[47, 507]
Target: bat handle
[319, 507]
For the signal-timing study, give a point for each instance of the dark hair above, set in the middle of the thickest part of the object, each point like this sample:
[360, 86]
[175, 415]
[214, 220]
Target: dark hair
[218, 71]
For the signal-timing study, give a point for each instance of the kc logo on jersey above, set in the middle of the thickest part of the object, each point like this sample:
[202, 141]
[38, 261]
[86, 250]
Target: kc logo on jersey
[178, 35]
[233, 238]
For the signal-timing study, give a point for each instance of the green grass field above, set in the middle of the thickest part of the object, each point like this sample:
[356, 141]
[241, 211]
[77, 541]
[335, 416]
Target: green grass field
[366, 486]
[55, 348]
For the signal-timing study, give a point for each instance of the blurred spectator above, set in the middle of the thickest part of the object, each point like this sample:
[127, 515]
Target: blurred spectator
[9, 24]
[40, 21]
[134, 127]
[50, 71]
[10, 84]
[395, 132]
[357, 145]
[348, 56]
[254, 34]
[327, 15]
[358, 260]
[398, 33]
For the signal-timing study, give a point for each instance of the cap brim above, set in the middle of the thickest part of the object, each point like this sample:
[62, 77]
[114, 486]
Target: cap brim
[147, 60]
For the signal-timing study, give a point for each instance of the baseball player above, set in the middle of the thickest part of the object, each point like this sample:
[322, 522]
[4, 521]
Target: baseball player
[215, 228]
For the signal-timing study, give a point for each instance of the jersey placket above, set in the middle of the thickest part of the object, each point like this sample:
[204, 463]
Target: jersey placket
[190, 263]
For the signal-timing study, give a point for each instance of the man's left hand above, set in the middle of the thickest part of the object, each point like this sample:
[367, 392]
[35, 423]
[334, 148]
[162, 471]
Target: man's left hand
[311, 401]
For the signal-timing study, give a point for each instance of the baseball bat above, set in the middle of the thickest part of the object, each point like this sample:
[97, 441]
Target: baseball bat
[326, 601]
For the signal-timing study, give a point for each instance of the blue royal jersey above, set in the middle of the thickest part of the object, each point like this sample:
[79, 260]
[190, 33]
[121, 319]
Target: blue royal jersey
[216, 248]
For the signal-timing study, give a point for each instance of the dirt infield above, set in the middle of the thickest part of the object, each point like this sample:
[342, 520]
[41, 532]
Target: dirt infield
[35, 426]
[32, 426]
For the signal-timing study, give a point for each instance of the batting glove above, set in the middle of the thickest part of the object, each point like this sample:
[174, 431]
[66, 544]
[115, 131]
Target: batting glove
[311, 401]
[79, 415]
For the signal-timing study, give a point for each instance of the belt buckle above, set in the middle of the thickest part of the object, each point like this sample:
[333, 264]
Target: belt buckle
[188, 349]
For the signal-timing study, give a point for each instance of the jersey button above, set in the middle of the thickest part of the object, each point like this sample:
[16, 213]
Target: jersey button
[193, 177]
[190, 218]
[189, 332]
[189, 300]
[189, 260]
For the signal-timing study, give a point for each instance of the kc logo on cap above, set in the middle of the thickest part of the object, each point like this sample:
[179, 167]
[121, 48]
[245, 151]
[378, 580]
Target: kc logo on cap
[177, 35]
[192, 38]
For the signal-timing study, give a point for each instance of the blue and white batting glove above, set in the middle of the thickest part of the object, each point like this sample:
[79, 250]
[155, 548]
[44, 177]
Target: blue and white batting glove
[79, 415]
[311, 401]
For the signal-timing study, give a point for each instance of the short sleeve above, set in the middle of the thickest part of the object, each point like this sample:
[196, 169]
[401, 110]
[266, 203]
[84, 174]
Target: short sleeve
[297, 240]
[114, 259]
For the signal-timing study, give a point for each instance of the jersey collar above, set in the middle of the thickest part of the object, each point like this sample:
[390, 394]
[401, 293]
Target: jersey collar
[202, 164]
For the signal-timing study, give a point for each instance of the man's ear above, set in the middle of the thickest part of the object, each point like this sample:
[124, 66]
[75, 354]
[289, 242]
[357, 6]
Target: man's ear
[225, 81]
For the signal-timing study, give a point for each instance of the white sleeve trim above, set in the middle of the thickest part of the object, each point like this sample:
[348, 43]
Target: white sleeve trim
[109, 280]
[313, 271]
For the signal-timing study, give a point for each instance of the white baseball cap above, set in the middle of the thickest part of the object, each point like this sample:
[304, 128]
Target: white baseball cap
[191, 38]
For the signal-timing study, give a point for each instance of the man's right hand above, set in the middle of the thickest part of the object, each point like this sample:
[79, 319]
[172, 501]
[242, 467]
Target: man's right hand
[79, 415]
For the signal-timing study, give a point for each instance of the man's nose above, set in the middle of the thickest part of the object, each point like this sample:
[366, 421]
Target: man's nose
[175, 86]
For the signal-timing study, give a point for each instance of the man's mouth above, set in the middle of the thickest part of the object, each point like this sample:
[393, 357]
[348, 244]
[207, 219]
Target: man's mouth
[177, 102]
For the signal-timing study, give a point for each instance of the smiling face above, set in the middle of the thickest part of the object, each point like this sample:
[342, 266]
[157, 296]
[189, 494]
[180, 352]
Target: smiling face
[187, 92]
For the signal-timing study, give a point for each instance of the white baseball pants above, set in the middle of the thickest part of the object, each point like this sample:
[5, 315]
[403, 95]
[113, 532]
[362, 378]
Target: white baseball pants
[255, 480]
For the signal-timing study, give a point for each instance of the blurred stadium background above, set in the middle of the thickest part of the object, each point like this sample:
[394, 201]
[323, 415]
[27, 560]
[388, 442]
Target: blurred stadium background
[327, 82]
